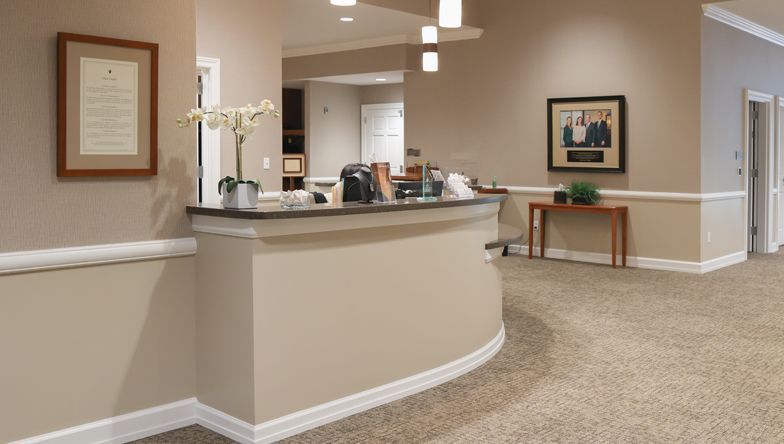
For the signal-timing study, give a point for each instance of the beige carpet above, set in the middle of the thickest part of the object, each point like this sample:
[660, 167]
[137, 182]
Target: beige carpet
[594, 354]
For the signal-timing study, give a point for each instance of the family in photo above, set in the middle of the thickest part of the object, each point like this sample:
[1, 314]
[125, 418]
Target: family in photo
[589, 129]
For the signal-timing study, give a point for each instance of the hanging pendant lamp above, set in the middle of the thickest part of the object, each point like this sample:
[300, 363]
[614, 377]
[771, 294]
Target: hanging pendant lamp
[450, 13]
[429, 48]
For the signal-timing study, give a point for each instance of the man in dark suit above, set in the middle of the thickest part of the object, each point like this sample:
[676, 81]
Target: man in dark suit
[602, 135]
[590, 132]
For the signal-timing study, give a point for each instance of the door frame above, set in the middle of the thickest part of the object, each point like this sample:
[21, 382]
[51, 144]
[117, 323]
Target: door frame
[211, 147]
[363, 124]
[779, 187]
[767, 148]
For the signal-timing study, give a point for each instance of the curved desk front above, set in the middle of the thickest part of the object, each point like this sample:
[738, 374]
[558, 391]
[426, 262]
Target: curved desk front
[307, 316]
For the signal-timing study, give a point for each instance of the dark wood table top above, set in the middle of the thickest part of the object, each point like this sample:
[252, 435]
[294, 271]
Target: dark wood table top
[573, 207]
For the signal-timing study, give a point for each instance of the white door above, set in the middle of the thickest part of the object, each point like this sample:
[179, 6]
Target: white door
[382, 135]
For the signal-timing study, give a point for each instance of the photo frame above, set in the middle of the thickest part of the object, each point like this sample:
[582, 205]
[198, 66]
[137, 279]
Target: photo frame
[107, 106]
[587, 134]
[293, 165]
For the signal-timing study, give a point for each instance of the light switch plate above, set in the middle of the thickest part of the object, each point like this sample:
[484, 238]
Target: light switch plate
[266, 163]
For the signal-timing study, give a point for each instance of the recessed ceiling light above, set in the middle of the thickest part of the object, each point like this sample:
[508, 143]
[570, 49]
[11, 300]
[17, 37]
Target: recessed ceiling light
[343, 2]
[381, 79]
[347, 19]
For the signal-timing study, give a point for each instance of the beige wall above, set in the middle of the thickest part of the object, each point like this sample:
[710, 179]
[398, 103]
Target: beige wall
[40, 210]
[245, 35]
[657, 229]
[333, 138]
[724, 221]
[732, 61]
[84, 344]
[382, 94]
[486, 107]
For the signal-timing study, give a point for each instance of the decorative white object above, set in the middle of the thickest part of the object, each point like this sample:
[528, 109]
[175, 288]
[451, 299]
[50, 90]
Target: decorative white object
[242, 122]
[243, 197]
[450, 13]
[457, 185]
[294, 199]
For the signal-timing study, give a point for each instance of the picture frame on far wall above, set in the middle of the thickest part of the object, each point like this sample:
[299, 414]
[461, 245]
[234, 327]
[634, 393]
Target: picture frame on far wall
[587, 134]
[107, 106]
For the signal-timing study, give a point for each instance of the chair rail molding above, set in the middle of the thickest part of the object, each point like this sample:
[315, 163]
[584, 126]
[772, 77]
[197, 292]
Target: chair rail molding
[640, 195]
[37, 260]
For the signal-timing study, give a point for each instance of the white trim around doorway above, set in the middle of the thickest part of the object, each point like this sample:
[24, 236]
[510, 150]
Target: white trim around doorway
[211, 152]
[771, 217]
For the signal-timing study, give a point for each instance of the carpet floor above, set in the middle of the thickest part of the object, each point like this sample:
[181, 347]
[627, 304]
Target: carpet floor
[594, 354]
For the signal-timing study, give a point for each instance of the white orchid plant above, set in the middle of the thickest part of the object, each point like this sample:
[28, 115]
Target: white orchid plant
[242, 122]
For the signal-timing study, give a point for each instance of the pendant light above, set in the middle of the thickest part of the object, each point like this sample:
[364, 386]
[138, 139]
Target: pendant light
[430, 44]
[343, 2]
[429, 48]
[450, 13]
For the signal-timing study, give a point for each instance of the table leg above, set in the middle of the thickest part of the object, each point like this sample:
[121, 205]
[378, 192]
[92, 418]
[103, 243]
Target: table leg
[530, 232]
[614, 230]
[541, 232]
[624, 224]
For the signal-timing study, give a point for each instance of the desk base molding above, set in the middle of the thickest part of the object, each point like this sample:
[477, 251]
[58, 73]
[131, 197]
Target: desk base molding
[160, 419]
[637, 262]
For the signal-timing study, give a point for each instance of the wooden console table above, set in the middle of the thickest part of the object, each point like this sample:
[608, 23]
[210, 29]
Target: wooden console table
[613, 211]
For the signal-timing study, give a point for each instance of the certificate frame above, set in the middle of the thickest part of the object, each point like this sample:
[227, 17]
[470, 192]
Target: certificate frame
[135, 120]
[594, 150]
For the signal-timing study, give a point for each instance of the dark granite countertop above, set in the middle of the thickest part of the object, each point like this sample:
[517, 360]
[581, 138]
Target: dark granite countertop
[273, 210]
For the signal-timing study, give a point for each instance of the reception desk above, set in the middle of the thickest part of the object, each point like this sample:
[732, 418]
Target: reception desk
[308, 316]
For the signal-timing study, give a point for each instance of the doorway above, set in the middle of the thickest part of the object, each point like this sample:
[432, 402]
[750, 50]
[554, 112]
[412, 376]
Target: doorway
[761, 175]
[382, 135]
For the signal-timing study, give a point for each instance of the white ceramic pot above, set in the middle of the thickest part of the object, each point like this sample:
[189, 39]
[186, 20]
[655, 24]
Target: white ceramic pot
[244, 196]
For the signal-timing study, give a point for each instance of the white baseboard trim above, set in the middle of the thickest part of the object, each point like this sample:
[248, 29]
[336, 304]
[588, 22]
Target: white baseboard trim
[36, 260]
[167, 417]
[636, 262]
[307, 419]
[124, 428]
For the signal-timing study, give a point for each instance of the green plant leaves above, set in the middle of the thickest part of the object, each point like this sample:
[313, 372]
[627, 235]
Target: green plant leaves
[231, 184]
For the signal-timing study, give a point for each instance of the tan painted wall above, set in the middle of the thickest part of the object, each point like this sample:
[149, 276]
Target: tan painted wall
[657, 229]
[245, 35]
[84, 344]
[724, 220]
[333, 138]
[486, 107]
[39, 210]
[382, 94]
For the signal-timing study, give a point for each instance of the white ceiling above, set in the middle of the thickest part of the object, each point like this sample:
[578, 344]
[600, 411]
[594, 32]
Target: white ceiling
[365, 79]
[768, 13]
[314, 26]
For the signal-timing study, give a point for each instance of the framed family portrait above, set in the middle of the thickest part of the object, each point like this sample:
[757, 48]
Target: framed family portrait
[587, 134]
[107, 106]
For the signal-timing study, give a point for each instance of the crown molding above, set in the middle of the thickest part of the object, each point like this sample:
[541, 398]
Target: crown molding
[728, 18]
[399, 39]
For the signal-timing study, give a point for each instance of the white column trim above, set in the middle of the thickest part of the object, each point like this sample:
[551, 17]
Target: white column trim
[728, 18]
[37, 260]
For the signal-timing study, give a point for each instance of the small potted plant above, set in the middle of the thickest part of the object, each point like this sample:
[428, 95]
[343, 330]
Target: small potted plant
[583, 193]
[237, 192]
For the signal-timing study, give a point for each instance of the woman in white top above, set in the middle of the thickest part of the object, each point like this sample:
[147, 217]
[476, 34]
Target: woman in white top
[579, 132]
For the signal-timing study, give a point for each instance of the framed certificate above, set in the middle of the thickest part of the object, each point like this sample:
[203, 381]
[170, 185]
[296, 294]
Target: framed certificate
[107, 106]
[587, 134]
